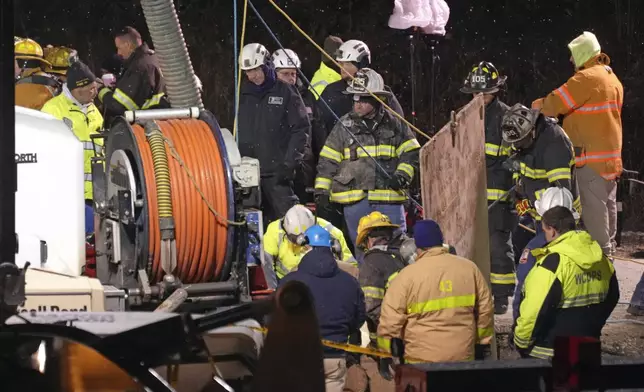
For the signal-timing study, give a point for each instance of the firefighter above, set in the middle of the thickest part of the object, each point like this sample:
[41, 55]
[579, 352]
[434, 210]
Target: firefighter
[286, 64]
[141, 85]
[75, 106]
[571, 291]
[486, 79]
[380, 265]
[339, 302]
[541, 157]
[326, 73]
[273, 127]
[59, 60]
[347, 174]
[551, 198]
[591, 103]
[33, 87]
[284, 244]
[441, 305]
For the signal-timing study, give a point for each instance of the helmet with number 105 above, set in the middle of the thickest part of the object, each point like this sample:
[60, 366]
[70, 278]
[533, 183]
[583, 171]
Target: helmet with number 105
[484, 78]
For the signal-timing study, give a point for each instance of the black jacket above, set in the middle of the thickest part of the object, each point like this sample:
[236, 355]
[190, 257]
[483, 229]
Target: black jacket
[338, 299]
[273, 127]
[499, 180]
[140, 86]
[342, 104]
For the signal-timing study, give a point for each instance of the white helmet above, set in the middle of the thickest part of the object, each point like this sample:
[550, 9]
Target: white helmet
[286, 59]
[252, 56]
[367, 79]
[354, 51]
[297, 220]
[555, 197]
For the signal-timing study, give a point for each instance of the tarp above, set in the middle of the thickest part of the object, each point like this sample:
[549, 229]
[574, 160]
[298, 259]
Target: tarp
[453, 183]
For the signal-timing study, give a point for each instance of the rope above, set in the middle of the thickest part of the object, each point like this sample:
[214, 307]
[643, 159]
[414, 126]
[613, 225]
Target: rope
[337, 119]
[239, 71]
[401, 118]
[629, 260]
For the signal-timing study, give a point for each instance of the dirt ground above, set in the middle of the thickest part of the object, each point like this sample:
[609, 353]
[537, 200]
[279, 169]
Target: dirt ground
[620, 337]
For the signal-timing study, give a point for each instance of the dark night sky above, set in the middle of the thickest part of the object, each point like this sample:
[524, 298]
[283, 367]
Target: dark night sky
[525, 39]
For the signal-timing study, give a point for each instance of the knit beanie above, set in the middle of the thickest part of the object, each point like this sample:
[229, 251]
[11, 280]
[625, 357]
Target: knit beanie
[331, 45]
[79, 75]
[427, 234]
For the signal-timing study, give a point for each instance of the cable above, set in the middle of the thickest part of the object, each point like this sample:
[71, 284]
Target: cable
[401, 118]
[239, 71]
[337, 119]
[201, 232]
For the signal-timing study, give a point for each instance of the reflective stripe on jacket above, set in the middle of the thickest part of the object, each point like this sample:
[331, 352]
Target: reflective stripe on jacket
[591, 102]
[141, 86]
[548, 162]
[324, 76]
[83, 126]
[346, 171]
[441, 306]
[571, 291]
[286, 255]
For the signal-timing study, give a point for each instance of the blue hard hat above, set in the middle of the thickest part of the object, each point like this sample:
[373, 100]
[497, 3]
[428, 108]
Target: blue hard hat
[317, 235]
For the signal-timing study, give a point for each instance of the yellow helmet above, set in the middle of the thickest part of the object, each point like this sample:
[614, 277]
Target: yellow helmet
[28, 49]
[59, 59]
[370, 222]
[16, 39]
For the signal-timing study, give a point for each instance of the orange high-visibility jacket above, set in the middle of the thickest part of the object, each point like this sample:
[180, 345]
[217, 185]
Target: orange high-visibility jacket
[591, 103]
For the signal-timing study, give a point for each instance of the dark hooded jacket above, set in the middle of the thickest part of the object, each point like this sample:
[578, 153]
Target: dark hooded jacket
[339, 301]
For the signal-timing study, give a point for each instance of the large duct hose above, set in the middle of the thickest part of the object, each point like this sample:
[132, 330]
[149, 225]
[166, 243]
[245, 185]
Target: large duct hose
[165, 30]
[201, 234]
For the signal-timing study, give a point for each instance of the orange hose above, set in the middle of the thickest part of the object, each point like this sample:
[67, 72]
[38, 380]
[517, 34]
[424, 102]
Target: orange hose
[201, 236]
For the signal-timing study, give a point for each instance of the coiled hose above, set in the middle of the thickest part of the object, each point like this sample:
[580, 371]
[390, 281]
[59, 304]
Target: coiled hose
[198, 194]
[170, 46]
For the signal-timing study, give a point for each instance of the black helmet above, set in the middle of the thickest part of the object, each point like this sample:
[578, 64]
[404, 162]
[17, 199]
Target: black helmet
[518, 122]
[484, 78]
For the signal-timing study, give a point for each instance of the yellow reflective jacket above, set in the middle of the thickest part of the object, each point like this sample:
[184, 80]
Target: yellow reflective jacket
[571, 291]
[83, 125]
[441, 306]
[324, 76]
[286, 256]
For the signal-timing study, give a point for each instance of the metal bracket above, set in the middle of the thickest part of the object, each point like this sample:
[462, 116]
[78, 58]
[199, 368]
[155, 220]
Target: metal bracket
[145, 286]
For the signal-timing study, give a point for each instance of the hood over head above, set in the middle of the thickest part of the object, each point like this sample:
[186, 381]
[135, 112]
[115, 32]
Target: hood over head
[319, 262]
[579, 247]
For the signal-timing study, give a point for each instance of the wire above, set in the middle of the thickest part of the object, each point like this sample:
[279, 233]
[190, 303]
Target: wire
[337, 119]
[410, 125]
[239, 71]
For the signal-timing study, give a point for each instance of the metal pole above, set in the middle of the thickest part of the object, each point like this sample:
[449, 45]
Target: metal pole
[8, 171]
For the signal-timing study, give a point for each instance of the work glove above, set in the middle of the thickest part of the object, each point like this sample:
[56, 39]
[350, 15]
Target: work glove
[286, 174]
[397, 182]
[322, 202]
[384, 368]
[482, 351]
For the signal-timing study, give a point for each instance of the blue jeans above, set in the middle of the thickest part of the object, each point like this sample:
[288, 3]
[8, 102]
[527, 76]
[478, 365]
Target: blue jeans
[353, 213]
[89, 220]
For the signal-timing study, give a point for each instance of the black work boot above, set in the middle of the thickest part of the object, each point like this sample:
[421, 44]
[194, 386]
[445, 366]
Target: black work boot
[501, 305]
[635, 310]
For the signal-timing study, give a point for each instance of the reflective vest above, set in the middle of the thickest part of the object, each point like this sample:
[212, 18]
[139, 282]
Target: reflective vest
[287, 256]
[570, 291]
[324, 76]
[83, 125]
[591, 103]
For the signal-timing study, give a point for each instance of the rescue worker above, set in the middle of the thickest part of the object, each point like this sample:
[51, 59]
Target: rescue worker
[286, 64]
[591, 103]
[380, 265]
[348, 176]
[485, 79]
[273, 127]
[339, 302]
[59, 60]
[33, 87]
[75, 106]
[441, 305]
[571, 291]
[542, 157]
[551, 198]
[284, 243]
[141, 85]
[326, 73]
